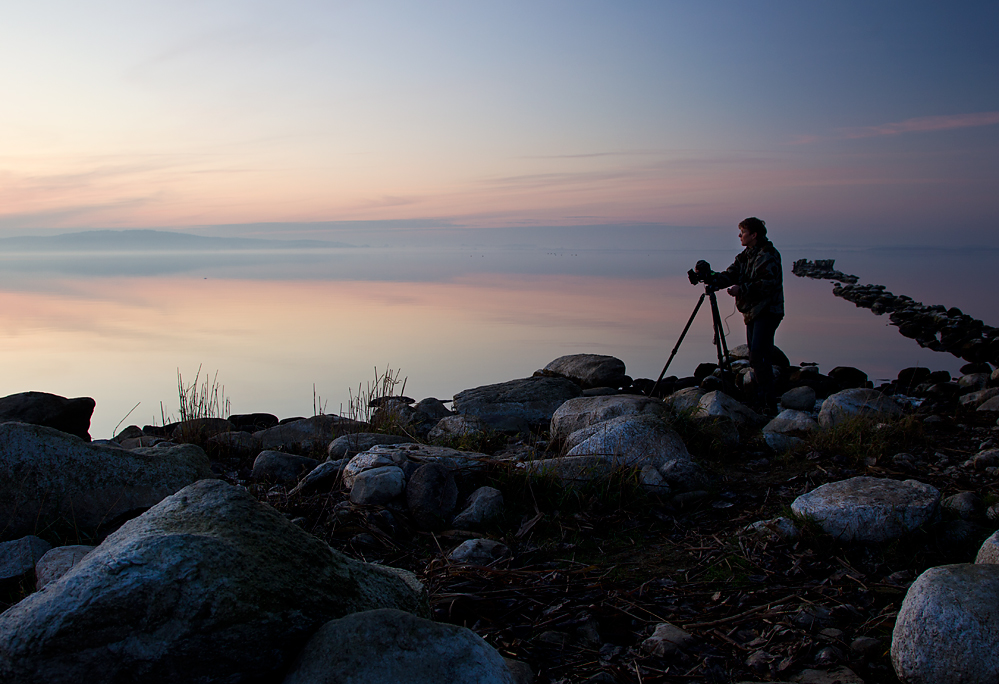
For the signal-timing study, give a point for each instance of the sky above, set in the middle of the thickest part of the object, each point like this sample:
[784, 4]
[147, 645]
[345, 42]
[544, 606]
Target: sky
[846, 123]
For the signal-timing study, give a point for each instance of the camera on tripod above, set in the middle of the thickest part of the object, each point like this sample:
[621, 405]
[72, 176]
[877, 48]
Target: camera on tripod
[700, 273]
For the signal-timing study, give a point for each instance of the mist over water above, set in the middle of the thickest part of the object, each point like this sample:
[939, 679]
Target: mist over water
[276, 325]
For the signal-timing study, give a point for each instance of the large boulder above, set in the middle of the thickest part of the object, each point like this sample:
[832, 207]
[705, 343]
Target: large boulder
[40, 408]
[390, 646]
[629, 441]
[518, 405]
[849, 403]
[50, 478]
[869, 509]
[584, 411]
[589, 370]
[947, 630]
[209, 585]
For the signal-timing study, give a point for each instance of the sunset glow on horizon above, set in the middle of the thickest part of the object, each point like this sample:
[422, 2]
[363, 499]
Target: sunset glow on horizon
[879, 122]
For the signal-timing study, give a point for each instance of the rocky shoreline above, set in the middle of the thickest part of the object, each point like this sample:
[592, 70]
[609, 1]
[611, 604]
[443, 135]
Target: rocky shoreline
[562, 527]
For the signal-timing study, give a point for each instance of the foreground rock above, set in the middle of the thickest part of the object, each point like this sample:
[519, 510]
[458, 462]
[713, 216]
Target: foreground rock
[209, 585]
[51, 479]
[518, 405]
[868, 509]
[50, 410]
[947, 629]
[390, 646]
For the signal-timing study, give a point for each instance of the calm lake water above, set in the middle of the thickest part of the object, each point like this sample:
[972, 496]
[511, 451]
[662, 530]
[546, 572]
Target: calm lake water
[277, 326]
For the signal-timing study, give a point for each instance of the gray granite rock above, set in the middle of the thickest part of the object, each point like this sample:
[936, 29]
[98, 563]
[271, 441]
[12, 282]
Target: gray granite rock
[391, 646]
[946, 630]
[377, 486]
[589, 370]
[582, 412]
[57, 562]
[792, 423]
[353, 444]
[278, 467]
[685, 400]
[799, 399]
[431, 496]
[868, 509]
[849, 403]
[48, 477]
[484, 505]
[717, 404]
[71, 416]
[18, 557]
[209, 585]
[989, 551]
[629, 441]
[518, 405]
[455, 427]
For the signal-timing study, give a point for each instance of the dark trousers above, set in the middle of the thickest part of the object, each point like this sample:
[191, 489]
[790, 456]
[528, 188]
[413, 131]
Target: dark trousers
[760, 338]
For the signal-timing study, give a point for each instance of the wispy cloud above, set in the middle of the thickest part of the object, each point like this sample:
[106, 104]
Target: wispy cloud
[924, 124]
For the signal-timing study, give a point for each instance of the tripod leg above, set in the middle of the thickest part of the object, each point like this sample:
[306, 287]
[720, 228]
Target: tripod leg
[719, 333]
[678, 342]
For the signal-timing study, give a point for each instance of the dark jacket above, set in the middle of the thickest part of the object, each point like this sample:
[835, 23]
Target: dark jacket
[757, 271]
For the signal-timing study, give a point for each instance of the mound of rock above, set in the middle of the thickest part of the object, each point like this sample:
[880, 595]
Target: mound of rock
[582, 412]
[50, 478]
[517, 405]
[947, 630]
[388, 646]
[209, 585]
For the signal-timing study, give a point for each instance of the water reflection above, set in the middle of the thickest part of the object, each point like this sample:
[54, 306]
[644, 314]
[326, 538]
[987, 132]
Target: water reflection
[274, 325]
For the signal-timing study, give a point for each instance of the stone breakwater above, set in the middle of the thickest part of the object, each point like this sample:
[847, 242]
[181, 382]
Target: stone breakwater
[935, 326]
[223, 563]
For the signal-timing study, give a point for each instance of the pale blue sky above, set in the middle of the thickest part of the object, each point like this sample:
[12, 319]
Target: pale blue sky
[847, 122]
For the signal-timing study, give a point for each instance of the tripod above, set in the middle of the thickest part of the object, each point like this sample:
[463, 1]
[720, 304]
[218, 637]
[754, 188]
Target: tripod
[719, 340]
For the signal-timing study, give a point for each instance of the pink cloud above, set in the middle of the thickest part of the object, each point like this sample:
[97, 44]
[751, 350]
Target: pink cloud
[923, 124]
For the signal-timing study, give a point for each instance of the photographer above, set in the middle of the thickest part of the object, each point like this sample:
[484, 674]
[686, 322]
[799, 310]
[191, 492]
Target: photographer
[756, 281]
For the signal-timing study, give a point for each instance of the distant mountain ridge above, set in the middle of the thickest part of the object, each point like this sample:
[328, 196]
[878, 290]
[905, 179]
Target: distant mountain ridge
[136, 240]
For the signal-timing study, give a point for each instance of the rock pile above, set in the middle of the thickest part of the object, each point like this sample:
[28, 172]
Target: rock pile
[190, 578]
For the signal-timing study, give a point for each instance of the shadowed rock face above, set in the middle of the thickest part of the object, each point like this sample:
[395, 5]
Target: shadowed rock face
[382, 646]
[517, 405]
[40, 408]
[50, 478]
[207, 586]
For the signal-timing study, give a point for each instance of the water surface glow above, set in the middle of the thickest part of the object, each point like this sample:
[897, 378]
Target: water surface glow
[275, 325]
